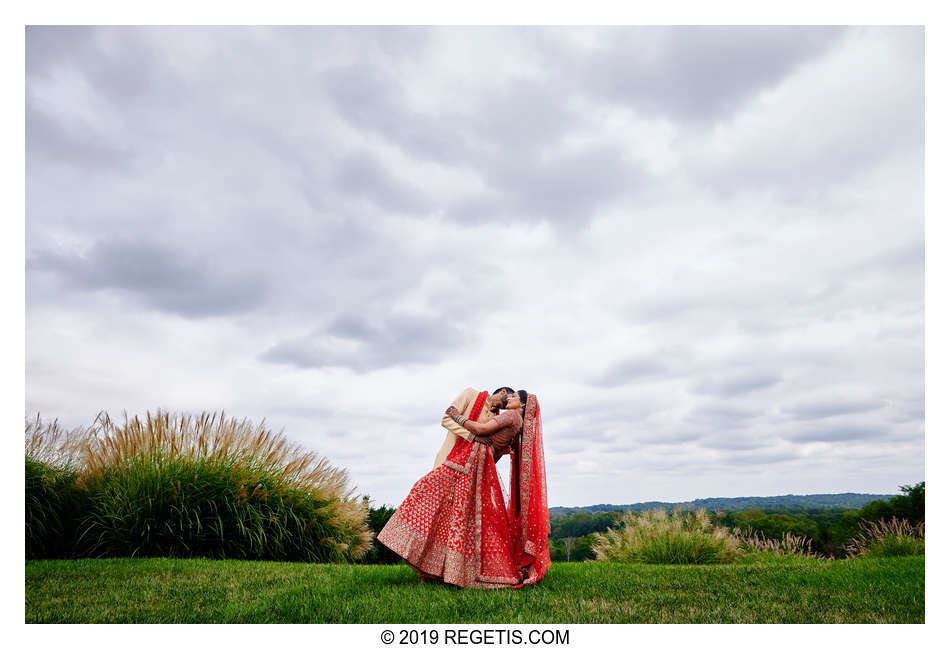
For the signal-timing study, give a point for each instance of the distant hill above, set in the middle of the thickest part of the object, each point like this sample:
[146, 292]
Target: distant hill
[810, 501]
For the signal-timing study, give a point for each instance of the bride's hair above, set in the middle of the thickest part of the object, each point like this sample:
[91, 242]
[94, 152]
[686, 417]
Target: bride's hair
[524, 400]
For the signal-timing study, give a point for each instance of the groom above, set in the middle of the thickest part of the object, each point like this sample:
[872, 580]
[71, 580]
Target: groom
[464, 403]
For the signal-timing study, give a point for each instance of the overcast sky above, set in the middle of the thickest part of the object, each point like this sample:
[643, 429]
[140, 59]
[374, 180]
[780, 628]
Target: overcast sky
[702, 248]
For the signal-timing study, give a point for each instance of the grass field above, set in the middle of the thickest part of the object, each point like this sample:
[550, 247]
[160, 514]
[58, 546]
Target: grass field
[213, 591]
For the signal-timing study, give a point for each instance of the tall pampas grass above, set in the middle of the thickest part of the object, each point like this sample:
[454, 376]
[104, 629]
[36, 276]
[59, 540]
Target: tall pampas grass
[892, 537]
[208, 485]
[658, 537]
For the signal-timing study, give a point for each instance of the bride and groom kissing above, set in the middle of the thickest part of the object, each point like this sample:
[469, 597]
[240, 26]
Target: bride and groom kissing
[457, 525]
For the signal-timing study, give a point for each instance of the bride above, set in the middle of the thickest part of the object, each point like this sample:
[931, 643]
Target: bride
[455, 524]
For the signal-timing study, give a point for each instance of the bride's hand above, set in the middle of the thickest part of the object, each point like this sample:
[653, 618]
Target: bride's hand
[452, 411]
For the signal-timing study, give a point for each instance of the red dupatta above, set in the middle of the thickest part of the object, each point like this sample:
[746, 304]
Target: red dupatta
[530, 523]
[478, 405]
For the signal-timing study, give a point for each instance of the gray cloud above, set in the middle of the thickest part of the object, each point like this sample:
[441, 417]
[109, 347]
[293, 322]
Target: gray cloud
[761, 457]
[722, 415]
[506, 139]
[670, 436]
[564, 189]
[736, 383]
[907, 257]
[56, 143]
[609, 415]
[911, 410]
[369, 99]
[92, 52]
[527, 114]
[692, 73]
[823, 408]
[46, 46]
[736, 442]
[164, 277]
[366, 96]
[359, 174]
[355, 343]
[835, 434]
[624, 371]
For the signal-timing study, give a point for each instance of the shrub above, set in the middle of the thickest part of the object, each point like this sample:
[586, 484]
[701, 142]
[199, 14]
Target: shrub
[378, 517]
[892, 537]
[657, 537]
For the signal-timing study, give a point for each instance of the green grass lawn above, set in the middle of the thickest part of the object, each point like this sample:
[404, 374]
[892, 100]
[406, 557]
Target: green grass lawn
[212, 591]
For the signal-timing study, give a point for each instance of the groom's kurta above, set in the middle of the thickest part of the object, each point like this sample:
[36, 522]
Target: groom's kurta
[464, 403]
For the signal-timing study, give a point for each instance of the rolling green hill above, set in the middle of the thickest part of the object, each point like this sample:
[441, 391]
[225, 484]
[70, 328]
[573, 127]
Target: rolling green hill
[810, 501]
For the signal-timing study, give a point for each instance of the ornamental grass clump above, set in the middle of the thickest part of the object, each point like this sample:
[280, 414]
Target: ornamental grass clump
[54, 504]
[54, 446]
[655, 536]
[183, 486]
[894, 537]
[790, 545]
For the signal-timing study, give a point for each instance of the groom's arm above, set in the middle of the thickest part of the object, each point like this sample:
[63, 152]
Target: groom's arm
[461, 403]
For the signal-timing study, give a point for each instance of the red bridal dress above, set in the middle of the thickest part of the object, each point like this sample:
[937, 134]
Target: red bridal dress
[455, 524]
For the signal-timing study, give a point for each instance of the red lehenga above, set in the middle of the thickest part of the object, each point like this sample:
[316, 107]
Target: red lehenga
[456, 526]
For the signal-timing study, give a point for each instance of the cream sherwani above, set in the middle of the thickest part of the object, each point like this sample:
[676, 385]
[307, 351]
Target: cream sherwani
[464, 403]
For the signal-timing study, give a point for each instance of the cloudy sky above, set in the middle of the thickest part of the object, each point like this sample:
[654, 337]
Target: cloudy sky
[702, 248]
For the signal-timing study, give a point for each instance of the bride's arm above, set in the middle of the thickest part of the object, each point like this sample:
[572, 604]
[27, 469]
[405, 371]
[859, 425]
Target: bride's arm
[481, 430]
[487, 428]
[494, 424]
